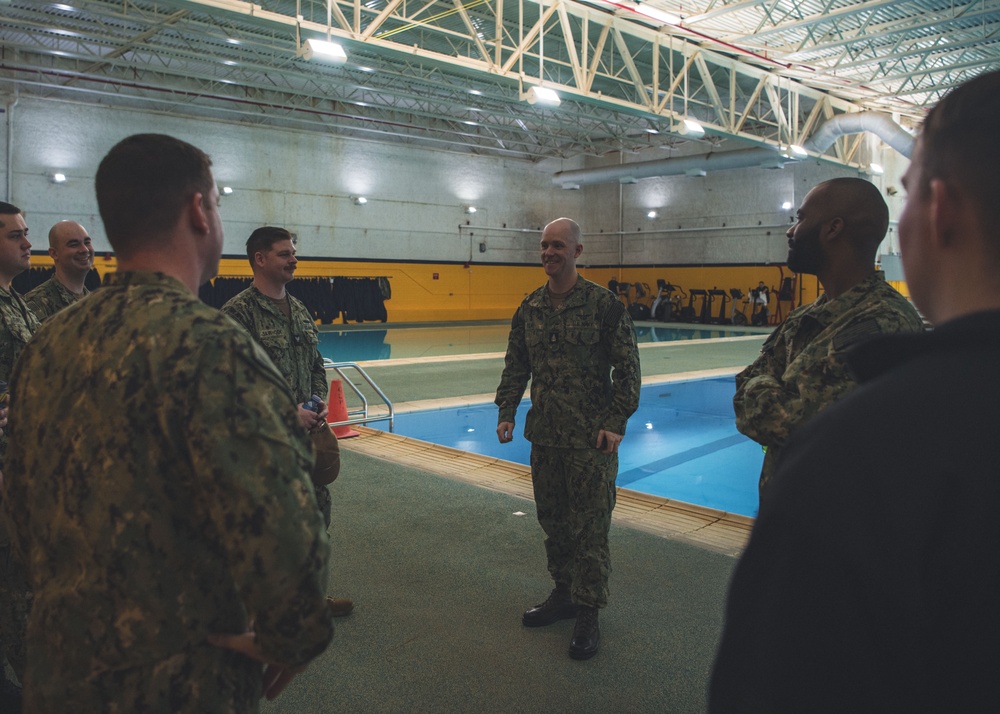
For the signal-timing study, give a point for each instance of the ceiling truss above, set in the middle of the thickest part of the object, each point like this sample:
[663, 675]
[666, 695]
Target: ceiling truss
[452, 73]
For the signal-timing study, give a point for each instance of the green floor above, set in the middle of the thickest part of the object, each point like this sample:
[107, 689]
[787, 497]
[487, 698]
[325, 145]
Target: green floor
[441, 570]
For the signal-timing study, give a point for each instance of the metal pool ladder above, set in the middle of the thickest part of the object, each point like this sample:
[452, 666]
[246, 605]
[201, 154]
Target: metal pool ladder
[359, 415]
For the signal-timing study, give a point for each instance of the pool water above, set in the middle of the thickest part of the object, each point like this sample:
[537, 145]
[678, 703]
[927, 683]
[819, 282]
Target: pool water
[681, 443]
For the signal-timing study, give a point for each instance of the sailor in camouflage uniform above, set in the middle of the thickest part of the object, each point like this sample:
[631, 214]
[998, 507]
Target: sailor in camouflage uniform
[287, 332]
[17, 324]
[575, 342]
[158, 478]
[801, 369]
[73, 256]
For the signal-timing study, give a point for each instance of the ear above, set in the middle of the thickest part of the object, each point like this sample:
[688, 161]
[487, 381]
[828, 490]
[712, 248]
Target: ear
[578, 250]
[835, 226]
[196, 211]
[52, 252]
[946, 214]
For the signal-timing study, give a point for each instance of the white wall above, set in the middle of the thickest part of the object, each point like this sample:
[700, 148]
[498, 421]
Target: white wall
[304, 182]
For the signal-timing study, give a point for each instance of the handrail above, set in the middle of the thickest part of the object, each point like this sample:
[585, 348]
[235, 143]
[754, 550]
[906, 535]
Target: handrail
[361, 416]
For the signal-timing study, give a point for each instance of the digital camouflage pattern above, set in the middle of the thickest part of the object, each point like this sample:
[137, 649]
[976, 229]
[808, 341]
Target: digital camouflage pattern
[50, 297]
[802, 369]
[576, 528]
[17, 325]
[293, 345]
[160, 493]
[583, 365]
[582, 362]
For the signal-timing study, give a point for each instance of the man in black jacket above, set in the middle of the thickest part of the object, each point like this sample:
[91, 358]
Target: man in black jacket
[870, 582]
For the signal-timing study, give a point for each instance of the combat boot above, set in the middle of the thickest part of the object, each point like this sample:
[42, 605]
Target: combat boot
[558, 606]
[586, 634]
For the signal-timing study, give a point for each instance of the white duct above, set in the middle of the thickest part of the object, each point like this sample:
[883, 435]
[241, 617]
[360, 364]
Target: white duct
[878, 124]
[628, 173]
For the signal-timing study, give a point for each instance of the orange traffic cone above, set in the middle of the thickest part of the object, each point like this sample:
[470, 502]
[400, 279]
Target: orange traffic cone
[338, 410]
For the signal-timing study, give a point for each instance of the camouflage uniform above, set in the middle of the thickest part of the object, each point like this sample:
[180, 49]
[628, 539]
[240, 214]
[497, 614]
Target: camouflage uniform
[160, 494]
[50, 297]
[801, 369]
[568, 354]
[17, 325]
[293, 346]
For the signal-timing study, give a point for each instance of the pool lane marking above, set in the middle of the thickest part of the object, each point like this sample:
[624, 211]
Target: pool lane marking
[500, 355]
[668, 462]
[471, 400]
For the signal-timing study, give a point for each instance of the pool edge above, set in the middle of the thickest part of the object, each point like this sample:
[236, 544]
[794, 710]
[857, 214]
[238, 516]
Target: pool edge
[707, 528]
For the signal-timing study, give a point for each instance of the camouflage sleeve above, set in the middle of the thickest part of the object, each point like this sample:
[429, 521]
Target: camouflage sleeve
[516, 371]
[256, 459]
[37, 303]
[765, 370]
[770, 405]
[626, 375]
[320, 384]
[236, 310]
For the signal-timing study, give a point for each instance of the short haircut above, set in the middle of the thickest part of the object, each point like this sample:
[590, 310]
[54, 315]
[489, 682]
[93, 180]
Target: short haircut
[9, 209]
[143, 184]
[569, 228]
[865, 213]
[960, 144]
[261, 240]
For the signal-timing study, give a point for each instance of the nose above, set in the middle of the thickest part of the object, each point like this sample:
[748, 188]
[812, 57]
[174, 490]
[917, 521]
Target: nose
[791, 231]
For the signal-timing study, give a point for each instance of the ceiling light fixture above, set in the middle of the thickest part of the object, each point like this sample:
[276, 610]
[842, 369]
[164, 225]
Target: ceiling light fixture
[689, 128]
[786, 205]
[470, 209]
[324, 50]
[651, 214]
[227, 190]
[359, 200]
[542, 95]
[653, 13]
[57, 178]
[876, 169]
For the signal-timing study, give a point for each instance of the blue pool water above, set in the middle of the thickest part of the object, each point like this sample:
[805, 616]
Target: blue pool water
[681, 444]
[362, 345]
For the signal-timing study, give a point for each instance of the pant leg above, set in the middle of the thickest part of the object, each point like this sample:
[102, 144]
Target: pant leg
[551, 490]
[574, 497]
[592, 499]
[325, 502]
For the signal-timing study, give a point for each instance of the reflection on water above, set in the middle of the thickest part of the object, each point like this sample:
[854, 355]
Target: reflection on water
[360, 345]
[681, 444]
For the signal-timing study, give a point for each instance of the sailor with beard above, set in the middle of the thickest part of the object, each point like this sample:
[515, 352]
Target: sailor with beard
[73, 256]
[801, 369]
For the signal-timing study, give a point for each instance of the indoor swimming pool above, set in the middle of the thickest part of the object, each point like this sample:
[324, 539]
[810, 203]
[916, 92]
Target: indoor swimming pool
[363, 344]
[681, 444]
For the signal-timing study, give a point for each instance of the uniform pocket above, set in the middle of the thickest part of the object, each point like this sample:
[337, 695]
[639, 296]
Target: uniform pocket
[585, 336]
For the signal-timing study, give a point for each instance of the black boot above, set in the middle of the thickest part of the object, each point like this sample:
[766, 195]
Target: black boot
[558, 606]
[586, 634]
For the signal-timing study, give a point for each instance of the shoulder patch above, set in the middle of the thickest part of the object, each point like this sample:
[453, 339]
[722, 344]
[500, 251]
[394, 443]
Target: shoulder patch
[614, 314]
